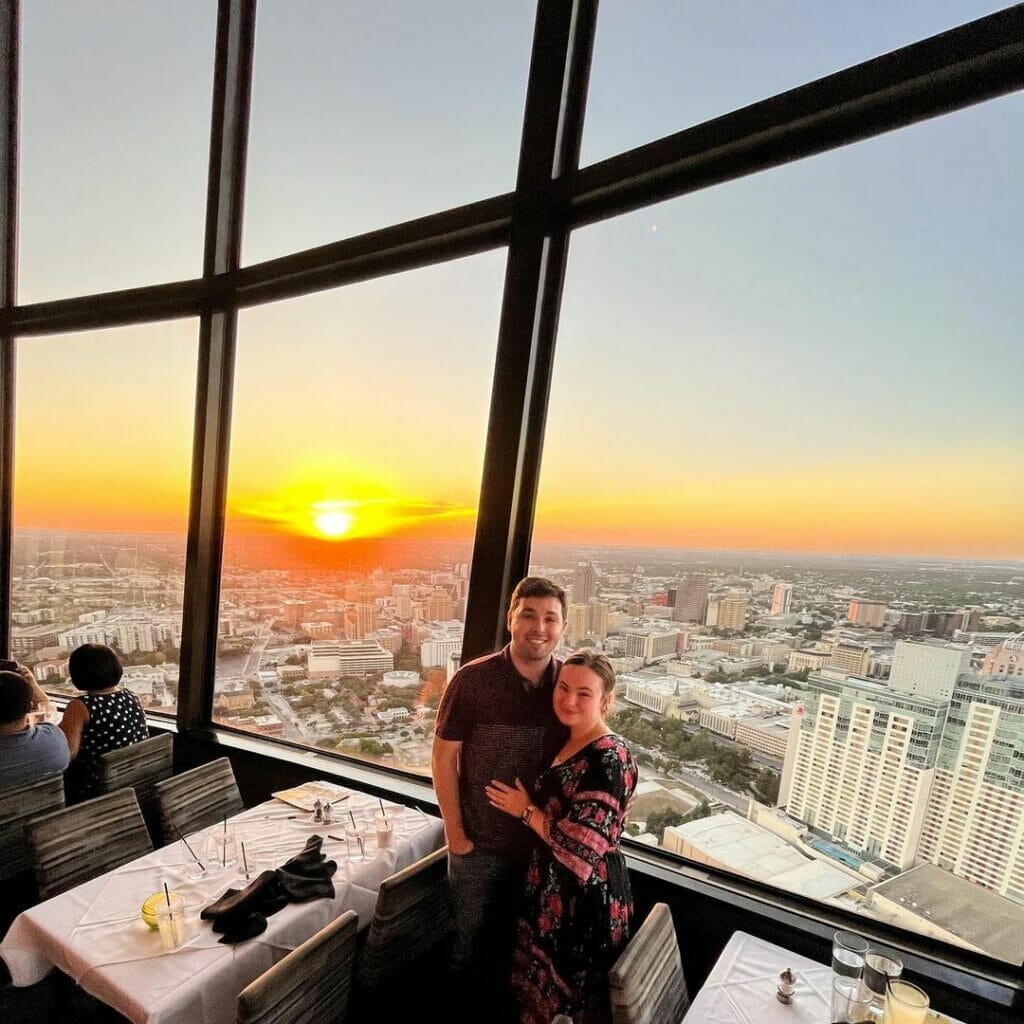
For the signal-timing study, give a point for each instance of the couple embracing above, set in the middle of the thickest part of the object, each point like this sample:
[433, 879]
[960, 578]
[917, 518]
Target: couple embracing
[533, 788]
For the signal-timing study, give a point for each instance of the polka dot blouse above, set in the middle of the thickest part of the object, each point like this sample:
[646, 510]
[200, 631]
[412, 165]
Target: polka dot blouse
[115, 720]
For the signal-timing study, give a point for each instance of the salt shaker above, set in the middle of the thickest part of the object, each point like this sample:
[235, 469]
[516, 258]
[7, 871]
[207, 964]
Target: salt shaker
[787, 983]
[328, 813]
[318, 811]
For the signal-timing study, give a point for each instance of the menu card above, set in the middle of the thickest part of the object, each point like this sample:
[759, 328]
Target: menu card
[308, 793]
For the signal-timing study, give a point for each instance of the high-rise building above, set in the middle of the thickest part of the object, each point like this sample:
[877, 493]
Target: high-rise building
[866, 613]
[852, 659]
[861, 766]
[692, 599]
[974, 825]
[650, 644]
[439, 606]
[732, 613]
[587, 621]
[928, 668]
[584, 583]
[782, 598]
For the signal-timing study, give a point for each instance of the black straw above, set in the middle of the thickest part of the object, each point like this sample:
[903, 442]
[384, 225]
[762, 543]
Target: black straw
[189, 848]
[383, 813]
[353, 817]
[167, 895]
[244, 861]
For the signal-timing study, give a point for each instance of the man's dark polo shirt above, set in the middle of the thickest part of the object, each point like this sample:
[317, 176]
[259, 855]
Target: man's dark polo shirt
[508, 730]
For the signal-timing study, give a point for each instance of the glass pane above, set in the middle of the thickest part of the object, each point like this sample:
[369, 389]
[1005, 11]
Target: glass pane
[99, 524]
[115, 137]
[661, 66]
[357, 447]
[782, 480]
[371, 113]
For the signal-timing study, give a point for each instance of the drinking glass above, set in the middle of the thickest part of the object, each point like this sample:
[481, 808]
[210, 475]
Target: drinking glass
[385, 830]
[851, 1002]
[222, 848]
[905, 1003]
[848, 952]
[880, 967]
[355, 836]
[170, 921]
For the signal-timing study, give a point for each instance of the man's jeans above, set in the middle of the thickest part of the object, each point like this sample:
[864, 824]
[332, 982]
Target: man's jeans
[486, 893]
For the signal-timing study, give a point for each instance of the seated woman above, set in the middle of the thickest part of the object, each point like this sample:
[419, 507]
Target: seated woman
[106, 718]
[27, 752]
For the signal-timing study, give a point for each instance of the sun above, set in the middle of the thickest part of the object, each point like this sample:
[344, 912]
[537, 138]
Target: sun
[333, 523]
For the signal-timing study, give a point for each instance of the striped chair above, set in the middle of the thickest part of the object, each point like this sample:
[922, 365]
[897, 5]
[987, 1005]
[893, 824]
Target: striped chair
[412, 917]
[71, 846]
[139, 766]
[646, 983]
[311, 985]
[197, 798]
[18, 806]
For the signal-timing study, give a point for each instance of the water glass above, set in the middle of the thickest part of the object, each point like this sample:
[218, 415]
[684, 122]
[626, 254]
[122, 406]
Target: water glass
[170, 921]
[851, 1002]
[355, 836]
[880, 967]
[222, 848]
[905, 1003]
[848, 951]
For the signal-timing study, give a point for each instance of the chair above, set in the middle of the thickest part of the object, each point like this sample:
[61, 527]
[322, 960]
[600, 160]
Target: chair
[311, 985]
[646, 984]
[412, 916]
[18, 806]
[197, 798]
[139, 766]
[71, 846]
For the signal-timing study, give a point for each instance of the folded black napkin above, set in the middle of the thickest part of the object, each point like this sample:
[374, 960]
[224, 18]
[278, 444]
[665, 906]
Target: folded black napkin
[242, 913]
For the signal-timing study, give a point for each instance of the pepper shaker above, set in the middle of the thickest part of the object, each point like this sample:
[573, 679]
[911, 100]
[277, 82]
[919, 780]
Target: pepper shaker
[787, 983]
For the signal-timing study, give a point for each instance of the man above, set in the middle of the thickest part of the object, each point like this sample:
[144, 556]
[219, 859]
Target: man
[27, 752]
[495, 722]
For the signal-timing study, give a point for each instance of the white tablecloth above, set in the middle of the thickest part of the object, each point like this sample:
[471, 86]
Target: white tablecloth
[95, 934]
[741, 987]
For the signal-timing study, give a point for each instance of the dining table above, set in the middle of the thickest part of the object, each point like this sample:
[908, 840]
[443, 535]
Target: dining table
[95, 933]
[742, 985]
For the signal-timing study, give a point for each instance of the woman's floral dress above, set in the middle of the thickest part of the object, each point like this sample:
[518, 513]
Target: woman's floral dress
[577, 904]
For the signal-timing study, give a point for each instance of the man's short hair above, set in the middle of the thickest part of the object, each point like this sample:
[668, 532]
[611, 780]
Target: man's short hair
[94, 667]
[15, 697]
[538, 586]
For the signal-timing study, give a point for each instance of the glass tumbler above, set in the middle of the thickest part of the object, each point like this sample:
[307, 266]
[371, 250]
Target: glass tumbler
[848, 951]
[905, 1003]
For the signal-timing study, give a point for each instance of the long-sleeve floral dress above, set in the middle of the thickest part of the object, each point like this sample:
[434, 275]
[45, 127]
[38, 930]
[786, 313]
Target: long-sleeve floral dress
[577, 903]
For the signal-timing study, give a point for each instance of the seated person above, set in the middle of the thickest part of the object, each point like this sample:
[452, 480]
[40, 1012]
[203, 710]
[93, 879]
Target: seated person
[105, 718]
[27, 752]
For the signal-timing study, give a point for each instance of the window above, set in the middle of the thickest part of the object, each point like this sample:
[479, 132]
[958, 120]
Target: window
[103, 449]
[782, 437]
[115, 138]
[371, 113]
[760, 383]
[661, 66]
[357, 444]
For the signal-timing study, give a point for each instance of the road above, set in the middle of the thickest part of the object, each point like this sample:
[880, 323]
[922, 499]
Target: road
[252, 664]
[292, 730]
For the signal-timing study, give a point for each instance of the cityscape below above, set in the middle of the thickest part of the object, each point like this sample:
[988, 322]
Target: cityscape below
[848, 729]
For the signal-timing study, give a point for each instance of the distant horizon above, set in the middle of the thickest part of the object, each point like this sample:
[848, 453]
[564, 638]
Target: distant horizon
[337, 546]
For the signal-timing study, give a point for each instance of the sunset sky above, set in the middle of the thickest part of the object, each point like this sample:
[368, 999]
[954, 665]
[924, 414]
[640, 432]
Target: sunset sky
[823, 357]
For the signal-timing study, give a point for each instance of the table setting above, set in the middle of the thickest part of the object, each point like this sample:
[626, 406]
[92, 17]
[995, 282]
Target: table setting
[757, 982]
[221, 904]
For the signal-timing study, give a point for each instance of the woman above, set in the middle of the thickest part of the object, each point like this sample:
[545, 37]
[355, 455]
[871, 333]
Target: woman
[577, 904]
[105, 718]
